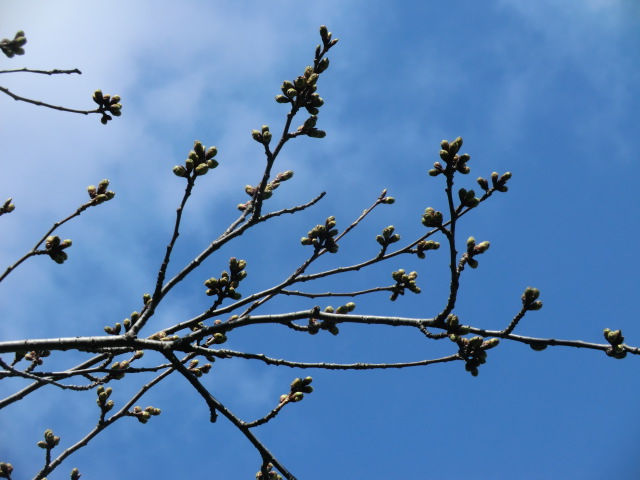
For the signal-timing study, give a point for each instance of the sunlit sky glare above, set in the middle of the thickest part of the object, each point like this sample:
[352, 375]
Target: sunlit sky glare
[546, 90]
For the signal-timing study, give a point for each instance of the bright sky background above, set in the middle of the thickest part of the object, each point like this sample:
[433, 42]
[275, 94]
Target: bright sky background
[547, 90]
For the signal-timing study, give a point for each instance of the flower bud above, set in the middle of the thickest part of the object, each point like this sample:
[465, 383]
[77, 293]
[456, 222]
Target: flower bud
[179, 171]
[323, 65]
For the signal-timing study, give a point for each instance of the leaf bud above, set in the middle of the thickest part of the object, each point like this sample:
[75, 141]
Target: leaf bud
[282, 99]
[388, 200]
[202, 169]
[484, 184]
[473, 263]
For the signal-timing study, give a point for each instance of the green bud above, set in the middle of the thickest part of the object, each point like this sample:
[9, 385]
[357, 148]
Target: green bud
[454, 147]
[299, 83]
[179, 171]
[323, 65]
[481, 247]
[484, 184]
[256, 135]
[282, 99]
[489, 344]
[212, 152]
[388, 200]
[324, 32]
[202, 169]
[431, 218]
[97, 97]
[537, 305]
[315, 133]
[473, 263]
[471, 242]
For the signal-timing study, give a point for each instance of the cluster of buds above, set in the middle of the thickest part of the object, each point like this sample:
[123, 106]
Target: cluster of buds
[530, 299]
[217, 338]
[449, 155]
[302, 91]
[198, 162]
[474, 249]
[55, 248]
[268, 190]
[50, 440]
[425, 245]
[127, 323]
[452, 324]
[35, 357]
[271, 474]
[322, 236]
[225, 286]
[199, 371]
[615, 338]
[474, 351]
[315, 326]
[431, 218]
[299, 387]
[100, 194]
[498, 182]
[103, 399]
[118, 369]
[13, 47]
[107, 103]
[309, 129]
[263, 137]
[7, 207]
[163, 337]
[6, 469]
[468, 198]
[143, 416]
[404, 281]
[388, 237]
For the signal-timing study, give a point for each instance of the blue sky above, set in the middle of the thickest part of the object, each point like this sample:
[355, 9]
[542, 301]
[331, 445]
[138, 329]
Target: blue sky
[547, 90]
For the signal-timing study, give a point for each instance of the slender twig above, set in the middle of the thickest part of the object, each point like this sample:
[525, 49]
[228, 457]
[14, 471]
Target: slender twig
[47, 105]
[336, 294]
[102, 425]
[224, 353]
[216, 406]
[55, 71]
[34, 250]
